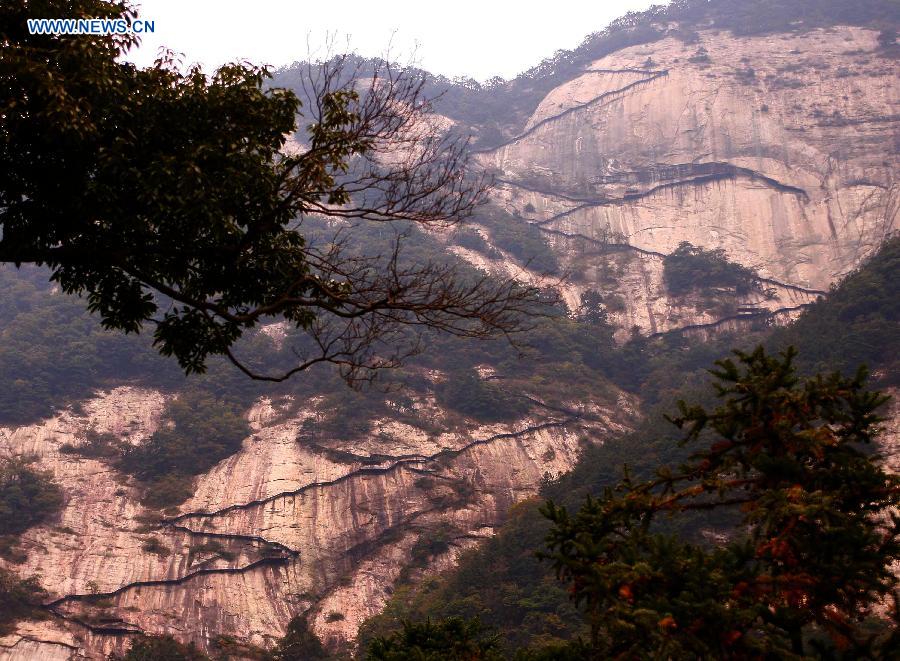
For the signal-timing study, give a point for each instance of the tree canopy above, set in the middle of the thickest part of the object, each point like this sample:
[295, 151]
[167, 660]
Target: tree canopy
[168, 197]
[448, 640]
[159, 648]
[808, 552]
[691, 268]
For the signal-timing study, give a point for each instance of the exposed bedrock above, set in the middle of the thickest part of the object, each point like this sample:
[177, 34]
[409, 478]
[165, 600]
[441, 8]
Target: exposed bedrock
[276, 530]
[780, 149]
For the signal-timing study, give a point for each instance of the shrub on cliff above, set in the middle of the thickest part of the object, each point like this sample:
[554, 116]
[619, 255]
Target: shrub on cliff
[692, 269]
[19, 599]
[298, 644]
[198, 431]
[465, 392]
[160, 648]
[28, 496]
[520, 239]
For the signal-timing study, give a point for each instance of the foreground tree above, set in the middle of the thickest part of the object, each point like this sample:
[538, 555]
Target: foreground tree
[169, 198]
[808, 516]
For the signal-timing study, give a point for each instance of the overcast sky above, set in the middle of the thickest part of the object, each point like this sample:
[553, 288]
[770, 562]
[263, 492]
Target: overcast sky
[478, 39]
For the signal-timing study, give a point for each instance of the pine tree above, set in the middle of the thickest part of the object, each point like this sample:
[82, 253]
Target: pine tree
[807, 529]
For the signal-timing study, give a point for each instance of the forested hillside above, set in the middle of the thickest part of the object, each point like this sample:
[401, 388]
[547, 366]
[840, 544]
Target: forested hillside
[510, 590]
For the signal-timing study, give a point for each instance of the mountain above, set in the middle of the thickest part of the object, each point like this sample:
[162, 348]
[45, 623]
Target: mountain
[684, 180]
[780, 149]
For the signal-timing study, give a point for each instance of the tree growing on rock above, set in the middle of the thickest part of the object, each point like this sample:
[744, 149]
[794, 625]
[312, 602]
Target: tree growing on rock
[28, 496]
[19, 599]
[160, 648]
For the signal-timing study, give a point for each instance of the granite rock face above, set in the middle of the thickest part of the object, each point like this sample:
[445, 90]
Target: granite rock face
[780, 149]
[278, 529]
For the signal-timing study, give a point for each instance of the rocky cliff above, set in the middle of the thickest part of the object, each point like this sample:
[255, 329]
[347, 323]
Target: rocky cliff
[780, 149]
[278, 529]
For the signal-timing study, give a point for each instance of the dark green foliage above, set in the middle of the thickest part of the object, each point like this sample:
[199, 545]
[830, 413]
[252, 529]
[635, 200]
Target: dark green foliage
[160, 648]
[573, 650]
[453, 639]
[593, 308]
[429, 545]
[19, 599]
[95, 445]
[858, 323]
[495, 583]
[690, 269]
[52, 352]
[520, 239]
[299, 643]
[213, 547]
[57, 356]
[153, 545]
[465, 392]
[813, 546]
[167, 491]
[28, 496]
[700, 57]
[197, 432]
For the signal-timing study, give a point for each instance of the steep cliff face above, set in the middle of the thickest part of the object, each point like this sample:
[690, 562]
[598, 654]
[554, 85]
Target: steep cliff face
[278, 529]
[781, 149]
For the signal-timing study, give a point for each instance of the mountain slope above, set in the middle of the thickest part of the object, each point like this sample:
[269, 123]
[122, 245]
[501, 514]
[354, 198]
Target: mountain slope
[504, 584]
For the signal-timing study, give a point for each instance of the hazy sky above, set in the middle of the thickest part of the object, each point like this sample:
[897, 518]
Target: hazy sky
[479, 39]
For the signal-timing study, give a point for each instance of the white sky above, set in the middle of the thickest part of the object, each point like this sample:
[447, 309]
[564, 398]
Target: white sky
[478, 39]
